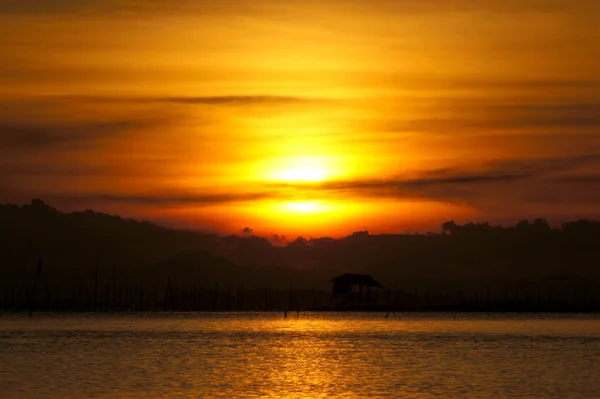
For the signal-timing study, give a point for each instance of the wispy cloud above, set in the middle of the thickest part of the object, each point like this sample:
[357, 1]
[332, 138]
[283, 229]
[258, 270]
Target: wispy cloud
[230, 6]
[509, 181]
[35, 135]
[200, 100]
[496, 173]
[488, 115]
[112, 7]
[199, 199]
[234, 100]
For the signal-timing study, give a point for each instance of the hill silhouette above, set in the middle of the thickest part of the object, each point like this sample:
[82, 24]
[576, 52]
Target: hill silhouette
[473, 257]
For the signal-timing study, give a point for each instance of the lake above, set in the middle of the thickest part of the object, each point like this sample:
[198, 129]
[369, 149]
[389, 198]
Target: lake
[184, 355]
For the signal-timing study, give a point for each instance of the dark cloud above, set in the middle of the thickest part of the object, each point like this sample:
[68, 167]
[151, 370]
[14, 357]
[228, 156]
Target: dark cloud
[26, 135]
[507, 181]
[148, 169]
[565, 115]
[42, 7]
[231, 6]
[203, 100]
[485, 115]
[444, 85]
[407, 188]
[200, 199]
[467, 179]
[79, 6]
[234, 100]
[528, 84]
[55, 170]
[582, 179]
[494, 172]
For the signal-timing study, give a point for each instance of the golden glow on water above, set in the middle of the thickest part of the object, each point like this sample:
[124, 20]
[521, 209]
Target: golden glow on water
[314, 355]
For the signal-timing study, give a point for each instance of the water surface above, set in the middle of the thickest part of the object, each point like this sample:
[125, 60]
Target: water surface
[314, 355]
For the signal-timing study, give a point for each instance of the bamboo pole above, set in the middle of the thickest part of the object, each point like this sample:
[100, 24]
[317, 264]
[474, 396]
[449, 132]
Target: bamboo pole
[216, 297]
[114, 284]
[38, 272]
[96, 289]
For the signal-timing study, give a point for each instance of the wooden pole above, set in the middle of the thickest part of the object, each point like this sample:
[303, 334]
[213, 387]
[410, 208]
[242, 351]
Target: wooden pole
[114, 286]
[106, 294]
[229, 298]
[216, 298]
[38, 272]
[48, 299]
[96, 289]
[266, 300]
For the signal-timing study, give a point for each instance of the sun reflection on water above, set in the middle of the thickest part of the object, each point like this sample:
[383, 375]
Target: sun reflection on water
[309, 355]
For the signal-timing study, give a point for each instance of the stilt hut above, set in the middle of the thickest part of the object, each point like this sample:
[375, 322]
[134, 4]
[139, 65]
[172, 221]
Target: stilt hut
[355, 292]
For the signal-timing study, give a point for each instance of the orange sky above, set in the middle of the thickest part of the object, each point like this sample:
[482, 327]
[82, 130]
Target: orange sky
[303, 117]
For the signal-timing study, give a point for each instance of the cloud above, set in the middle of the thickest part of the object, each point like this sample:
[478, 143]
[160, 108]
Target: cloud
[57, 7]
[41, 7]
[486, 115]
[198, 199]
[522, 187]
[505, 181]
[233, 6]
[28, 135]
[565, 115]
[112, 7]
[510, 182]
[234, 100]
[581, 179]
[57, 170]
[495, 172]
[203, 100]
[523, 84]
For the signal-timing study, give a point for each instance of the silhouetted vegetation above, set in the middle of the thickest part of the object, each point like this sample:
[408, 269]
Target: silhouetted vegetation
[102, 262]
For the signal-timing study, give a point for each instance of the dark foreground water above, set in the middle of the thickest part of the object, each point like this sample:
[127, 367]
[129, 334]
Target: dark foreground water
[316, 355]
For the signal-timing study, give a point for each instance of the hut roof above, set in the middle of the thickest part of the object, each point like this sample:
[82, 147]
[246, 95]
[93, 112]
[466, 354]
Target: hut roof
[360, 279]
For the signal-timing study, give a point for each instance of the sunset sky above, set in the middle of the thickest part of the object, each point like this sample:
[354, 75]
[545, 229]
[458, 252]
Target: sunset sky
[304, 117]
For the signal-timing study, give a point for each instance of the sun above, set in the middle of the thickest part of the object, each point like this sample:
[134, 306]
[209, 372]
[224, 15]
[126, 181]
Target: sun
[304, 206]
[303, 174]
[297, 181]
[309, 169]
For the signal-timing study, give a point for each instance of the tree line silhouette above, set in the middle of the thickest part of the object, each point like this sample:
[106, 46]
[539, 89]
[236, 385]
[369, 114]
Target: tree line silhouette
[94, 261]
